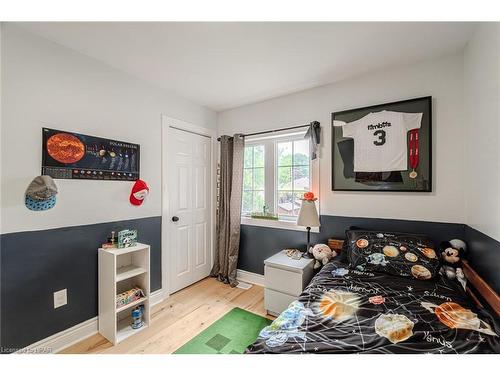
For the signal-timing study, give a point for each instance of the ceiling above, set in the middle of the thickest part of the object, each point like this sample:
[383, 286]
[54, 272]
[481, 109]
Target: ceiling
[226, 65]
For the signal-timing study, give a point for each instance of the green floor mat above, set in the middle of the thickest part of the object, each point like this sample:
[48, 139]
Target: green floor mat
[231, 334]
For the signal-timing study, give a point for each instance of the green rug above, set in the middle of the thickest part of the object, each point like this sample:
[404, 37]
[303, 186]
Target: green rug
[231, 334]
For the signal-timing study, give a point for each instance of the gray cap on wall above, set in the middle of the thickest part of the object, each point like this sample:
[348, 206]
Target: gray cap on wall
[42, 188]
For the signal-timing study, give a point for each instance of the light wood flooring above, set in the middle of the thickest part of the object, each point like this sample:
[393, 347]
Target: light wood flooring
[180, 318]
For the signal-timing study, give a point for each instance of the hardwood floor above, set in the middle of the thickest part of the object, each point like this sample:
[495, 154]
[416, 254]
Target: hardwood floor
[179, 319]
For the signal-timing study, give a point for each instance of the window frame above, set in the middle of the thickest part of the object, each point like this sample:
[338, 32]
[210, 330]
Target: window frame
[270, 144]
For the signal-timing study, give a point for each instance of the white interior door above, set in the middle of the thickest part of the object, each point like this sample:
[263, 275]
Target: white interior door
[189, 176]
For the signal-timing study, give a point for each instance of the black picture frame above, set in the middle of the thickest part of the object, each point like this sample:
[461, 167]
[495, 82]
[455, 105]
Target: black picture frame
[424, 181]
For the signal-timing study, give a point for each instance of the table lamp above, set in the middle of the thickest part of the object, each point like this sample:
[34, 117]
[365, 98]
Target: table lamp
[308, 217]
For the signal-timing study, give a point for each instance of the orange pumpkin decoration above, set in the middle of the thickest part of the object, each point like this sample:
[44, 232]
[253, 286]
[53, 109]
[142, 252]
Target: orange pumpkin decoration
[309, 196]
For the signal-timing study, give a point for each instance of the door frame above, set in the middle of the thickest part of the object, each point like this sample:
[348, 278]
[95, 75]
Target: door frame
[167, 123]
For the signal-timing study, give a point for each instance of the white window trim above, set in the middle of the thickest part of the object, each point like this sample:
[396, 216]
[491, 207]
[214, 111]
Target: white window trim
[270, 178]
[279, 224]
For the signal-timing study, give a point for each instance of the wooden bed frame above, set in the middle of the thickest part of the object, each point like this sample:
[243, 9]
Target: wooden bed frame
[479, 290]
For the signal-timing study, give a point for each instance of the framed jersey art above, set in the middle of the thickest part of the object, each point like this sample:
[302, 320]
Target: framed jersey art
[385, 147]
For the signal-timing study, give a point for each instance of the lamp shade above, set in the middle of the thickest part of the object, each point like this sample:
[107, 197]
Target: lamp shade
[308, 215]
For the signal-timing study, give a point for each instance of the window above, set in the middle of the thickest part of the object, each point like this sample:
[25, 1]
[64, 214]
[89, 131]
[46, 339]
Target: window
[292, 173]
[253, 199]
[277, 172]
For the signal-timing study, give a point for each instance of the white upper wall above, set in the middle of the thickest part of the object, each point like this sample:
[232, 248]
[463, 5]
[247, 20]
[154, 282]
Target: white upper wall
[482, 130]
[45, 84]
[443, 79]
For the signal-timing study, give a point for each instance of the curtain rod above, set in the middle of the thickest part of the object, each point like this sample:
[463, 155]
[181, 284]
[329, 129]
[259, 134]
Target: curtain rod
[278, 130]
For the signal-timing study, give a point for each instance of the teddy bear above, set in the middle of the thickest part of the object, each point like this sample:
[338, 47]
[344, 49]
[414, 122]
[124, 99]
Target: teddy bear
[452, 253]
[322, 253]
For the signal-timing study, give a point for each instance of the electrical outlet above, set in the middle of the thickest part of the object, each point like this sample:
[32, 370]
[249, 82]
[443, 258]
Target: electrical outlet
[60, 298]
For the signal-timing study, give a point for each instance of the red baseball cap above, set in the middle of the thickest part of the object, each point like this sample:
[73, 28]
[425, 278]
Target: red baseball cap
[139, 192]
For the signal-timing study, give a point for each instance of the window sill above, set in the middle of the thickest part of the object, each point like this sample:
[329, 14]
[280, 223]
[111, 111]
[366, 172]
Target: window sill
[280, 224]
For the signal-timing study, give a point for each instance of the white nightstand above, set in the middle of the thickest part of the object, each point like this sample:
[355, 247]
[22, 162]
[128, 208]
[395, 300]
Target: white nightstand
[285, 278]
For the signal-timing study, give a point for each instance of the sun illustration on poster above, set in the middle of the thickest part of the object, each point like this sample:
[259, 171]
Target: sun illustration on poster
[65, 148]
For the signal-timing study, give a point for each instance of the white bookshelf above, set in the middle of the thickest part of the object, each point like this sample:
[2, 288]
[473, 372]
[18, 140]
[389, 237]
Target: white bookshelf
[121, 270]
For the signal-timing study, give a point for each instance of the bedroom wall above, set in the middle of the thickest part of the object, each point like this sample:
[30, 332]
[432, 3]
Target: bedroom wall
[45, 84]
[442, 78]
[482, 131]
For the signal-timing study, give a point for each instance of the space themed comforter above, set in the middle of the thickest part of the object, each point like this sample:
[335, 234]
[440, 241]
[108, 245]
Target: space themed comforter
[351, 311]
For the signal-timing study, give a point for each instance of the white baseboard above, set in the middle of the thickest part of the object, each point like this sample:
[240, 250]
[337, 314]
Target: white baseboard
[250, 277]
[156, 297]
[70, 336]
[63, 339]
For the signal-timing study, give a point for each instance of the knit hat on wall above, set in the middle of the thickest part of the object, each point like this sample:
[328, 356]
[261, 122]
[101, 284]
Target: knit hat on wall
[139, 192]
[41, 194]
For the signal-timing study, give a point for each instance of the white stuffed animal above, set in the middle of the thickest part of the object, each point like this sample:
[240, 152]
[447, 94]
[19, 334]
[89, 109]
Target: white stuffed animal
[322, 253]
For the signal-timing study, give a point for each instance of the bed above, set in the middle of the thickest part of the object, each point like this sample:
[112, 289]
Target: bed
[355, 310]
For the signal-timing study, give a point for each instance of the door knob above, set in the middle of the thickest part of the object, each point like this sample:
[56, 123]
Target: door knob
[175, 218]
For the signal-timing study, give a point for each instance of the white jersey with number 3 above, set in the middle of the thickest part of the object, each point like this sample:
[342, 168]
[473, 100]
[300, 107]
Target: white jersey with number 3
[380, 140]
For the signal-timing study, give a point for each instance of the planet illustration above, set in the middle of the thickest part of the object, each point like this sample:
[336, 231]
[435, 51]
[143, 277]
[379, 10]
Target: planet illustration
[377, 258]
[452, 315]
[286, 325]
[362, 243]
[411, 257]
[394, 327]
[340, 272]
[390, 251]
[376, 300]
[420, 272]
[65, 148]
[338, 304]
[428, 252]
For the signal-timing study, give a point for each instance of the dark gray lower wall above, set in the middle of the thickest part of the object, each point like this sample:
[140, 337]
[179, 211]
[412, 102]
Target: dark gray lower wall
[36, 264]
[484, 256]
[259, 243]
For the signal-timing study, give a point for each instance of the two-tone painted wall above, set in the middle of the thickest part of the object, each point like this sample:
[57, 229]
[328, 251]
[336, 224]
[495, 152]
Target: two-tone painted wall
[45, 84]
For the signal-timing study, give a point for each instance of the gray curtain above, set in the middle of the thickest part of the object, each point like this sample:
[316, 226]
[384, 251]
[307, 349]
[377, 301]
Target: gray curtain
[229, 208]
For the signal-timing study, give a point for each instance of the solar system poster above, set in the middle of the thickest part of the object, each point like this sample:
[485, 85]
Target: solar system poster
[68, 155]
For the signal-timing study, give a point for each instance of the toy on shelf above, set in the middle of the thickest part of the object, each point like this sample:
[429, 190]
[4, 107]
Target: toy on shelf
[112, 241]
[129, 296]
[127, 238]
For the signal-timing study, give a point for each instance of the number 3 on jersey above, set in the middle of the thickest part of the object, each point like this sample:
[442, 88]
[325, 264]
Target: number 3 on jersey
[381, 137]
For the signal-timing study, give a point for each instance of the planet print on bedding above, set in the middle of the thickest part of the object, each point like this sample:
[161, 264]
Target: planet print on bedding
[397, 254]
[394, 327]
[338, 305]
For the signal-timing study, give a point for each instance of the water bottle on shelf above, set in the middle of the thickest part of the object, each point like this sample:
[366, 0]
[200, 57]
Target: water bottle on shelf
[137, 318]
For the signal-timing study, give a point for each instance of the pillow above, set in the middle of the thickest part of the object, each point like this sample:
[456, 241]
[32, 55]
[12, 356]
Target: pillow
[401, 254]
